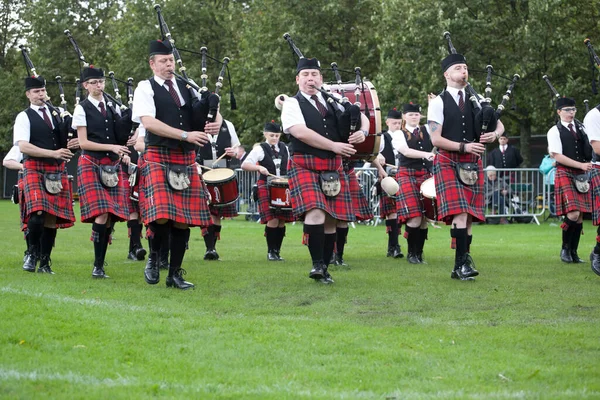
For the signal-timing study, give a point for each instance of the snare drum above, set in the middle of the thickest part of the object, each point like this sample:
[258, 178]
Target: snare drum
[428, 199]
[222, 186]
[279, 193]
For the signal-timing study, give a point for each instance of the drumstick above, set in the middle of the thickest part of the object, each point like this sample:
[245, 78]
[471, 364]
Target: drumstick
[219, 159]
[205, 167]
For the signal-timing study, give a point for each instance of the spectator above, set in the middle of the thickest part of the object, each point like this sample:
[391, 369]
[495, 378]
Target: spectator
[497, 191]
[505, 156]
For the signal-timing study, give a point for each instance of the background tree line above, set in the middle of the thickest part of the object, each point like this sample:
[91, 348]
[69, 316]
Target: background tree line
[397, 43]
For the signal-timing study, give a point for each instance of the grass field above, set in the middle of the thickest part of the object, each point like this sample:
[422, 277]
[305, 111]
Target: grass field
[528, 327]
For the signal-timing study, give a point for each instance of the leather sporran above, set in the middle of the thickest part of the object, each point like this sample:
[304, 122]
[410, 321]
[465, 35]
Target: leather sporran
[15, 194]
[330, 183]
[53, 183]
[177, 177]
[109, 175]
[467, 173]
[582, 183]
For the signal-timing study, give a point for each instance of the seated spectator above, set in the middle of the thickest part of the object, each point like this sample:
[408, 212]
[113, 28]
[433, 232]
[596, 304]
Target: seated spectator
[497, 191]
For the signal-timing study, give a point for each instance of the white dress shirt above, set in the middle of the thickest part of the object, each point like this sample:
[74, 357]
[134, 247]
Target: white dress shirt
[22, 127]
[554, 143]
[143, 98]
[291, 114]
[79, 118]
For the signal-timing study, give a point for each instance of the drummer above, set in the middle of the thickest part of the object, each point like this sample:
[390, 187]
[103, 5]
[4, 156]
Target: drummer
[270, 159]
[415, 163]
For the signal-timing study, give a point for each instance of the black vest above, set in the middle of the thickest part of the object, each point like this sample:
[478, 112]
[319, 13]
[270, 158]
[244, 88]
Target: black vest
[327, 127]
[457, 126]
[41, 135]
[223, 141]
[578, 150]
[99, 129]
[268, 163]
[168, 112]
[416, 143]
[388, 149]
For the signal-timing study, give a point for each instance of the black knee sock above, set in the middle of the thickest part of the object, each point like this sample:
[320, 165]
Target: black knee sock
[209, 238]
[340, 241]
[422, 238]
[35, 225]
[575, 236]
[392, 231]
[469, 241]
[568, 227]
[47, 241]
[412, 239]
[597, 247]
[160, 234]
[461, 246]
[270, 234]
[328, 245]
[135, 232]
[98, 233]
[279, 238]
[107, 238]
[179, 240]
[217, 235]
[316, 241]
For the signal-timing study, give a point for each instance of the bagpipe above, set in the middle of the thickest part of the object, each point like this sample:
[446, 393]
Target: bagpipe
[349, 117]
[63, 117]
[486, 118]
[124, 126]
[556, 96]
[205, 104]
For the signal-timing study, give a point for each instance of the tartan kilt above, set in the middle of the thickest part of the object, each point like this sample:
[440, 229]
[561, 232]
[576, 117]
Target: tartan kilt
[132, 205]
[387, 205]
[595, 187]
[359, 201]
[22, 214]
[94, 198]
[228, 211]
[452, 196]
[408, 203]
[306, 190]
[35, 197]
[264, 206]
[566, 197]
[158, 200]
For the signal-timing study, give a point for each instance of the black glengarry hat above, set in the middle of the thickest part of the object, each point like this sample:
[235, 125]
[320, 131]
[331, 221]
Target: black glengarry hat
[91, 72]
[160, 47]
[565, 102]
[451, 60]
[32, 82]
[272, 127]
[394, 114]
[411, 108]
[308, 63]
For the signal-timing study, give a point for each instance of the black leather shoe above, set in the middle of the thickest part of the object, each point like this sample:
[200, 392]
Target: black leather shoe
[465, 273]
[390, 251]
[327, 278]
[317, 272]
[45, 264]
[98, 272]
[163, 260]
[29, 263]
[151, 272]
[575, 257]
[279, 256]
[178, 282]
[565, 256]
[596, 263]
[131, 256]
[397, 252]
[211, 255]
[420, 257]
[413, 259]
[140, 253]
[339, 261]
[272, 256]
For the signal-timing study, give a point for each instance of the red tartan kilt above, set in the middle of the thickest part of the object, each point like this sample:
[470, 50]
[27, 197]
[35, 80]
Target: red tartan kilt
[409, 203]
[452, 196]
[264, 206]
[159, 201]
[566, 197]
[94, 198]
[22, 215]
[306, 189]
[387, 205]
[595, 188]
[359, 201]
[228, 211]
[35, 197]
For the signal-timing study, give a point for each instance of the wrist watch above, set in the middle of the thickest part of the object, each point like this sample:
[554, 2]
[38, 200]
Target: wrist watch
[184, 136]
[366, 133]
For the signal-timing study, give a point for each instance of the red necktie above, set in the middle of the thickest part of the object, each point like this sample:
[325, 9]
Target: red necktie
[416, 132]
[46, 118]
[320, 106]
[102, 109]
[573, 131]
[461, 102]
[502, 149]
[173, 93]
[275, 151]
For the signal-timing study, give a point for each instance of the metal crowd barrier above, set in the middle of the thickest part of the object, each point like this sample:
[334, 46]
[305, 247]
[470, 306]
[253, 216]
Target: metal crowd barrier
[517, 194]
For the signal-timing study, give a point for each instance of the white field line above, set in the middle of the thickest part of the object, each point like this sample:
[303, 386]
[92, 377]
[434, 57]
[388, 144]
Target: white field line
[7, 375]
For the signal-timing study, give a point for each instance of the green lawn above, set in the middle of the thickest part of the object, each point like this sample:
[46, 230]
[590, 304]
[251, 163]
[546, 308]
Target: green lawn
[528, 327]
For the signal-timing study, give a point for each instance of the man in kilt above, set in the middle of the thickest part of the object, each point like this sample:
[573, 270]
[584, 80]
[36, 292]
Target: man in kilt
[318, 152]
[223, 143]
[387, 164]
[46, 188]
[415, 156]
[572, 151]
[103, 203]
[270, 159]
[451, 118]
[592, 128]
[171, 196]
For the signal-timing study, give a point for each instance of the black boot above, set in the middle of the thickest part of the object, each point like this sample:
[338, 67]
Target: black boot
[567, 238]
[209, 241]
[151, 272]
[177, 281]
[596, 263]
[179, 241]
[136, 251]
[45, 265]
[315, 238]
[463, 268]
[421, 244]
[270, 234]
[317, 272]
[412, 240]
[393, 232]
[163, 258]
[31, 259]
[278, 241]
[575, 236]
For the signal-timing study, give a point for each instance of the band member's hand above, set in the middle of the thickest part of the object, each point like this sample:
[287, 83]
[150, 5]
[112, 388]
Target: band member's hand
[63, 154]
[263, 170]
[197, 138]
[120, 150]
[131, 141]
[212, 128]
[487, 137]
[430, 157]
[343, 149]
[475, 148]
[126, 159]
[430, 97]
[586, 166]
[230, 151]
[73, 143]
[382, 174]
[356, 137]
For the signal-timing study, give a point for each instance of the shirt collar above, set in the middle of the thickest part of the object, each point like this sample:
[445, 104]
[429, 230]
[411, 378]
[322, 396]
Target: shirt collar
[411, 129]
[566, 124]
[37, 108]
[161, 81]
[308, 96]
[95, 103]
[454, 92]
